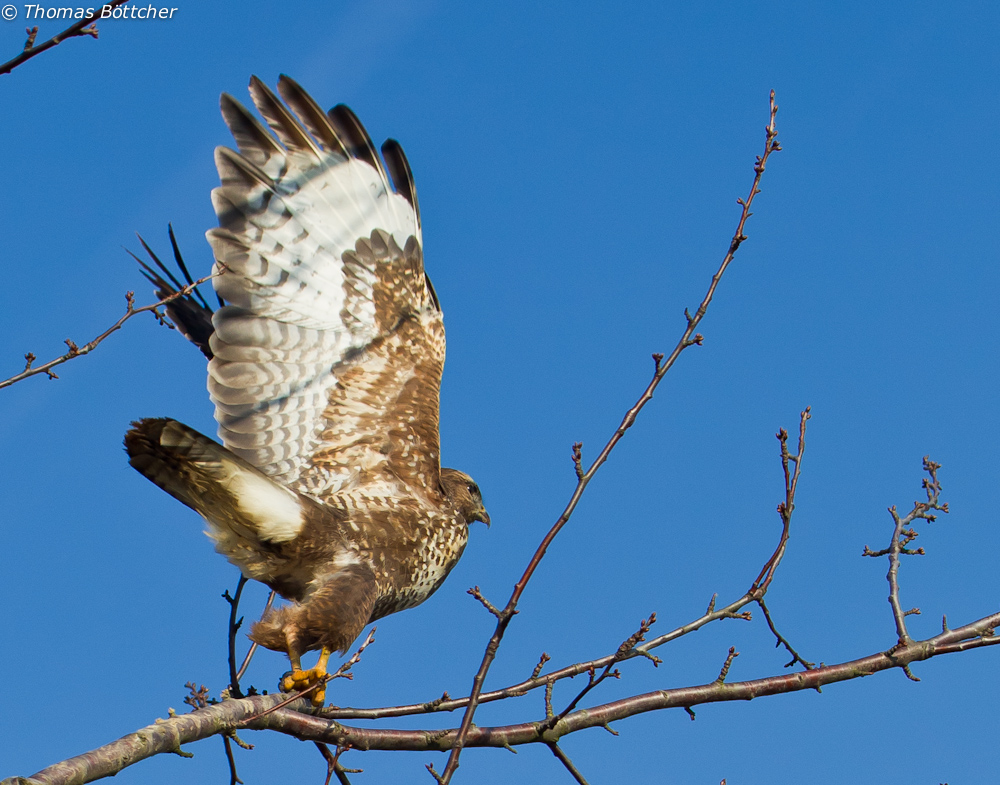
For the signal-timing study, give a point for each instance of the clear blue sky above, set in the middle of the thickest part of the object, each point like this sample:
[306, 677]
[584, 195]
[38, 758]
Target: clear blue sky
[578, 166]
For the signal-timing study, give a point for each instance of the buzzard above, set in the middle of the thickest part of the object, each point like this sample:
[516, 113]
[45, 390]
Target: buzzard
[325, 368]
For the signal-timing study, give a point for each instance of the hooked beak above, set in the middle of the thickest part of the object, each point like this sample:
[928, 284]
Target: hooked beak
[482, 515]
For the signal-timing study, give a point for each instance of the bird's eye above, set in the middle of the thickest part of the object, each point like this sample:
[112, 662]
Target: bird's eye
[474, 489]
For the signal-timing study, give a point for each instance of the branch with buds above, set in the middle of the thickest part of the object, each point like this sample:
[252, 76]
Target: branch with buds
[82, 27]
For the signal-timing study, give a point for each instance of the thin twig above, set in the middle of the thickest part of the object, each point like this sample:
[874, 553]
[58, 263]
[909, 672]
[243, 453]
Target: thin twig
[903, 535]
[541, 664]
[87, 348]
[782, 641]
[787, 507]
[893, 577]
[290, 699]
[82, 27]
[729, 611]
[626, 649]
[733, 654]
[329, 758]
[475, 592]
[333, 765]
[254, 645]
[166, 735]
[234, 778]
[234, 625]
[688, 338]
[565, 761]
[343, 672]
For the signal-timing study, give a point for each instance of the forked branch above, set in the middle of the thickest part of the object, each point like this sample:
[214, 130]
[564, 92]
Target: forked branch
[688, 338]
[291, 715]
[902, 535]
[297, 719]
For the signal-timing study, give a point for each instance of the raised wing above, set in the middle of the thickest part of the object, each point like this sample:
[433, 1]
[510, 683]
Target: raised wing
[327, 360]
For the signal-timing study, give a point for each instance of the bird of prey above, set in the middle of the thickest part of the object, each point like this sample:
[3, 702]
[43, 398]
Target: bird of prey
[325, 368]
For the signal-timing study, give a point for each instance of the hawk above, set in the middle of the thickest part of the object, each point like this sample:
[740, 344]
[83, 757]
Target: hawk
[325, 368]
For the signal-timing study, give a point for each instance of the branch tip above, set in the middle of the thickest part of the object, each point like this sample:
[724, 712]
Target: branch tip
[475, 592]
[82, 27]
[541, 664]
[733, 654]
[688, 338]
[902, 535]
[76, 351]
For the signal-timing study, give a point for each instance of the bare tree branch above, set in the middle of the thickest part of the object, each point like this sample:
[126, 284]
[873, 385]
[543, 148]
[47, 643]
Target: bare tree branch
[902, 536]
[78, 351]
[334, 766]
[292, 715]
[234, 778]
[254, 646]
[297, 719]
[82, 27]
[786, 507]
[635, 646]
[235, 674]
[688, 338]
[782, 641]
[565, 761]
[234, 626]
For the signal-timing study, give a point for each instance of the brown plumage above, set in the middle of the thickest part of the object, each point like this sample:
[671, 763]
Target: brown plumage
[325, 372]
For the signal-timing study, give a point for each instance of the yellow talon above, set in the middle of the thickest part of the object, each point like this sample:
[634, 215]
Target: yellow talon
[300, 679]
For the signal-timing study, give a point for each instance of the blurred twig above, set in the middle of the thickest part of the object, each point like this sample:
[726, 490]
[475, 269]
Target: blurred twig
[82, 27]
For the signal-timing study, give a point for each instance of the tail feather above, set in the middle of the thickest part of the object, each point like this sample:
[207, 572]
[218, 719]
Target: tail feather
[238, 501]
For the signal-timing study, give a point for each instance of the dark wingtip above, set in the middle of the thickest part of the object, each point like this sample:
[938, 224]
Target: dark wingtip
[191, 313]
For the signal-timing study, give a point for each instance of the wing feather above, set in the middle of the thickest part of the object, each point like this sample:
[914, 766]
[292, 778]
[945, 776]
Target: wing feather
[314, 118]
[327, 360]
[402, 175]
[284, 125]
[255, 143]
[190, 314]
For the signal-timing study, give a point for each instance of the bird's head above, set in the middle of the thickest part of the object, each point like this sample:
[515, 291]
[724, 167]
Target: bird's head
[465, 495]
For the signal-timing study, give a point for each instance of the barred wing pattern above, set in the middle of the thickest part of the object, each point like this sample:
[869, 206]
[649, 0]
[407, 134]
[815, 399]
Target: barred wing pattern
[328, 358]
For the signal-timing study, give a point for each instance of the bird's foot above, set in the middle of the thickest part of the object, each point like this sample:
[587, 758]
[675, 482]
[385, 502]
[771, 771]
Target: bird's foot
[298, 680]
